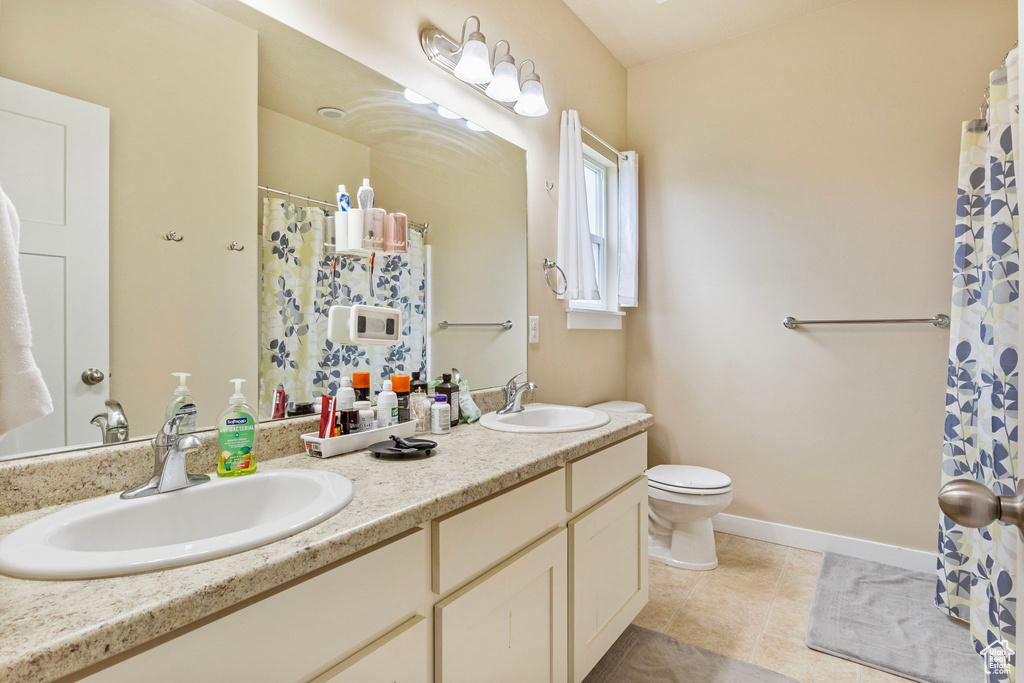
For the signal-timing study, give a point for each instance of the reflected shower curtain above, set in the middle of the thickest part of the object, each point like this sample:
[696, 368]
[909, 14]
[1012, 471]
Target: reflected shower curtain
[300, 283]
[976, 567]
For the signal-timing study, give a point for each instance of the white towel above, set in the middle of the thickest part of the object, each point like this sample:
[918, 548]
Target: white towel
[23, 394]
[629, 230]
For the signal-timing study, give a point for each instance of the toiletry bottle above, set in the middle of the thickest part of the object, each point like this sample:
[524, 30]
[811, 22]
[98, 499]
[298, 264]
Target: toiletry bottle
[400, 384]
[468, 409]
[387, 407]
[367, 418]
[361, 385]
[182, 404]
[365, 195]
[343, 201]
[419, 386]
[347, 413]
[236, 431]
[450, 389]
[440, 415]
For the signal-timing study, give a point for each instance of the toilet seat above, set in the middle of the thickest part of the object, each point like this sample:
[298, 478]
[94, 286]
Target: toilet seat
[688, 480]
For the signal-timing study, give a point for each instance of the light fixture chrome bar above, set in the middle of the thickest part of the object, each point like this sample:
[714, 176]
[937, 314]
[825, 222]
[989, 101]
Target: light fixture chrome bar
[940, 320]
[420, 227]
[444, 324]
[441, 49]
[589, 132]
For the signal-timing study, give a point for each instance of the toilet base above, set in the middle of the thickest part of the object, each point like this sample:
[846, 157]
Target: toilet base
[690, 545]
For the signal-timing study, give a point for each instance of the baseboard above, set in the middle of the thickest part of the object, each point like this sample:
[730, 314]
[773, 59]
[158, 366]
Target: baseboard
[808, 539]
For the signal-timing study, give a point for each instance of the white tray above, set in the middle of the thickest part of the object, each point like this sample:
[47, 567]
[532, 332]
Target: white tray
[346, 443]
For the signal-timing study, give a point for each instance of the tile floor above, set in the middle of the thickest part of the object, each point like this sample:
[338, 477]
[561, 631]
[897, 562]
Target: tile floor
[753, 607]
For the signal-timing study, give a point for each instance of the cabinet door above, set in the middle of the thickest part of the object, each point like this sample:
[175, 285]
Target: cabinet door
[402, 656]
[508, 626]
[607, 574]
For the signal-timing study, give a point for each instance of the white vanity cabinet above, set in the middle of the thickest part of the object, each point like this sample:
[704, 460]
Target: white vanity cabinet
[532, 584]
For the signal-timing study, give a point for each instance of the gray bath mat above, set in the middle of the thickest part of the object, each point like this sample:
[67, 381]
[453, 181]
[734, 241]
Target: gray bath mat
[643, 656]
[885, 617]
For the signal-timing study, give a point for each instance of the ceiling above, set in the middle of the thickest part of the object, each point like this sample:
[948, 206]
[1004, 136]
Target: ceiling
[641, 31]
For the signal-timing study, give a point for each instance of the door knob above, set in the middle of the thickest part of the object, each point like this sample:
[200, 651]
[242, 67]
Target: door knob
[971, 504]
[92, 376]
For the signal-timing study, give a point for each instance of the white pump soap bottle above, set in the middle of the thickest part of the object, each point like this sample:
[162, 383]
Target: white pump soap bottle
[182, 404]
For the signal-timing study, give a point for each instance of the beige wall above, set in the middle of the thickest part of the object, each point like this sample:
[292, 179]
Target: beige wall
[810, 170]
[578, 367]
[180, 83]
[305, 160]
[473, 193]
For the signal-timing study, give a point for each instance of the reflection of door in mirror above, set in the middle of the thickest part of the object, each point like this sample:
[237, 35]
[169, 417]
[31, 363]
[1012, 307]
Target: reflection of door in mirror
[54, 153]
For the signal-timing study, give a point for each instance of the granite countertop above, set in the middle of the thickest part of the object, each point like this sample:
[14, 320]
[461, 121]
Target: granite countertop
[54, 628]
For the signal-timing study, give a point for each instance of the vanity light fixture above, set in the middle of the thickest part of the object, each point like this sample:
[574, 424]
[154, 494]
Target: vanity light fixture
[475, 126]
[497, 77]
[447, 113]
[504, 87]
[532, 103]
[474, 65]
[416, 98]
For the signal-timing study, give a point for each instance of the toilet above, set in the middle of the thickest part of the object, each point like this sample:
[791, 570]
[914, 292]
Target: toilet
[682, 499]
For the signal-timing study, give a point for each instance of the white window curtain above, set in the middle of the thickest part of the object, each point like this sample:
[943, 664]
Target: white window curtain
[629, 229]
[575, 255]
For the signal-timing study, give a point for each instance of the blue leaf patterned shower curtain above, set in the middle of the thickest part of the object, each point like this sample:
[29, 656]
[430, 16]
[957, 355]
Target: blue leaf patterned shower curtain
[300, 283]
[976, 567]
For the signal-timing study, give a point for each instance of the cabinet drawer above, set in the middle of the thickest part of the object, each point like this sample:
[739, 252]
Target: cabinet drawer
[607, 574]
[596, 475]
[469, 541]
[402, 656]
[295, 633]
[508, 626]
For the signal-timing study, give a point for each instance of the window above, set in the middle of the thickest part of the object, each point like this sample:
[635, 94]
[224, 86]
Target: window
[601, 177]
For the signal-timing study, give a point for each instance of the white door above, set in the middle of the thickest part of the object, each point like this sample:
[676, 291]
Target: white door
[54, 165]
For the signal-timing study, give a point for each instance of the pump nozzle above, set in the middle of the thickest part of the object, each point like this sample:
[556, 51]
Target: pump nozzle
[238, 396]
[182, 387]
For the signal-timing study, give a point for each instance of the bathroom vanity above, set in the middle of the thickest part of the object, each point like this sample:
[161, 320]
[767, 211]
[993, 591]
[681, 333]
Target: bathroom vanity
[502, 557]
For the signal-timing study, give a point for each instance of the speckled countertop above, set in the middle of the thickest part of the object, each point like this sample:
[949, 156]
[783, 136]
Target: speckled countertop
[53, 628]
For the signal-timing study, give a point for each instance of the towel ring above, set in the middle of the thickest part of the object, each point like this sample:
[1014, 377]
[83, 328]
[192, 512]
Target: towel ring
[550, 265]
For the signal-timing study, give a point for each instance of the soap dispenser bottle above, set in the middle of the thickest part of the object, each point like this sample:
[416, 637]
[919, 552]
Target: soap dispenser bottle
[182, 404]
[236, 431]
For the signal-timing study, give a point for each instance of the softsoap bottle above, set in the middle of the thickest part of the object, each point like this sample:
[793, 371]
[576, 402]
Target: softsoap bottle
[236, 431]
[182, 404]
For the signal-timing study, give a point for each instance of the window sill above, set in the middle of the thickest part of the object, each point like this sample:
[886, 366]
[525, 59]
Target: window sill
[593, 319]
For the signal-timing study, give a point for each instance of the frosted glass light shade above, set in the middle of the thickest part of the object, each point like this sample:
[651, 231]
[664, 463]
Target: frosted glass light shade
[416, 98]
[447, 113]
[474, 63]
[505, 86]
[532, 102]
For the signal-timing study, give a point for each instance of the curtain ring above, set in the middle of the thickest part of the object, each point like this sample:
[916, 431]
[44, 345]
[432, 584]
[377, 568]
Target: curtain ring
[550, 265]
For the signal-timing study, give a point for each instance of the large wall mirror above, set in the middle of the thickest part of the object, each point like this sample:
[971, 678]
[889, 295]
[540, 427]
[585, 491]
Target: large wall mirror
[175, 165]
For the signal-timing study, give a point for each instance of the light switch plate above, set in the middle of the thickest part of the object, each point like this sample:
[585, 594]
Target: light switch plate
[534, 329]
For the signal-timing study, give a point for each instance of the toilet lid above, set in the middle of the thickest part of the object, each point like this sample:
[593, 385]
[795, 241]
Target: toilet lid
[688, 477]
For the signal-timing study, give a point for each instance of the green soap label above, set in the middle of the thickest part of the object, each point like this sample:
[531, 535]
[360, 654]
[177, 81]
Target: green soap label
[236, 436]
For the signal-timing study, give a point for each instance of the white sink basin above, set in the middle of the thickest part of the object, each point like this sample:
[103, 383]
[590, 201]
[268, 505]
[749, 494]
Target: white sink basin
[540, 418]
[109, 536]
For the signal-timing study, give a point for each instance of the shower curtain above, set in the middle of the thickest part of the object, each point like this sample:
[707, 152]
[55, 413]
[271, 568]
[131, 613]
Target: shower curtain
[976, 567]
[300, 283]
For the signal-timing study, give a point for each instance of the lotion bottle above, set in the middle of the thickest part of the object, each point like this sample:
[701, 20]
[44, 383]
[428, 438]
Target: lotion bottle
[387, 407]
[236, 432]
[182, 404]
[365, 195]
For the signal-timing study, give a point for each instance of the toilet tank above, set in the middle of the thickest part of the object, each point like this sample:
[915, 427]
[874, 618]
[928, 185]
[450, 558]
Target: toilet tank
[621, 407]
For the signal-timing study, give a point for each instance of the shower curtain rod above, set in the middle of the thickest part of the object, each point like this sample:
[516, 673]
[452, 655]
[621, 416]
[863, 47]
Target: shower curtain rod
[589, 132]
[420, 227]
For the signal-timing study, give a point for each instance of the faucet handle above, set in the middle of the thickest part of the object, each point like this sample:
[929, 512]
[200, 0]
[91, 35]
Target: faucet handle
[512, 385]
[168, 435]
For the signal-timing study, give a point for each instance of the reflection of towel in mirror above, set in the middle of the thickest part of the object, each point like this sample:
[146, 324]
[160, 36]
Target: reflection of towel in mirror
[23, 394]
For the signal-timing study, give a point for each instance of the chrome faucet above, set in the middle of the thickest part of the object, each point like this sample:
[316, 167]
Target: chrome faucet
[113, 424]
[514, 395]
[169, 472]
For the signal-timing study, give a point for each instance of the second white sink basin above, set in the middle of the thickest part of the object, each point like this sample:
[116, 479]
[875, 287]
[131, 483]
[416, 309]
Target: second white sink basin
[109, 536]
[542, 418]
